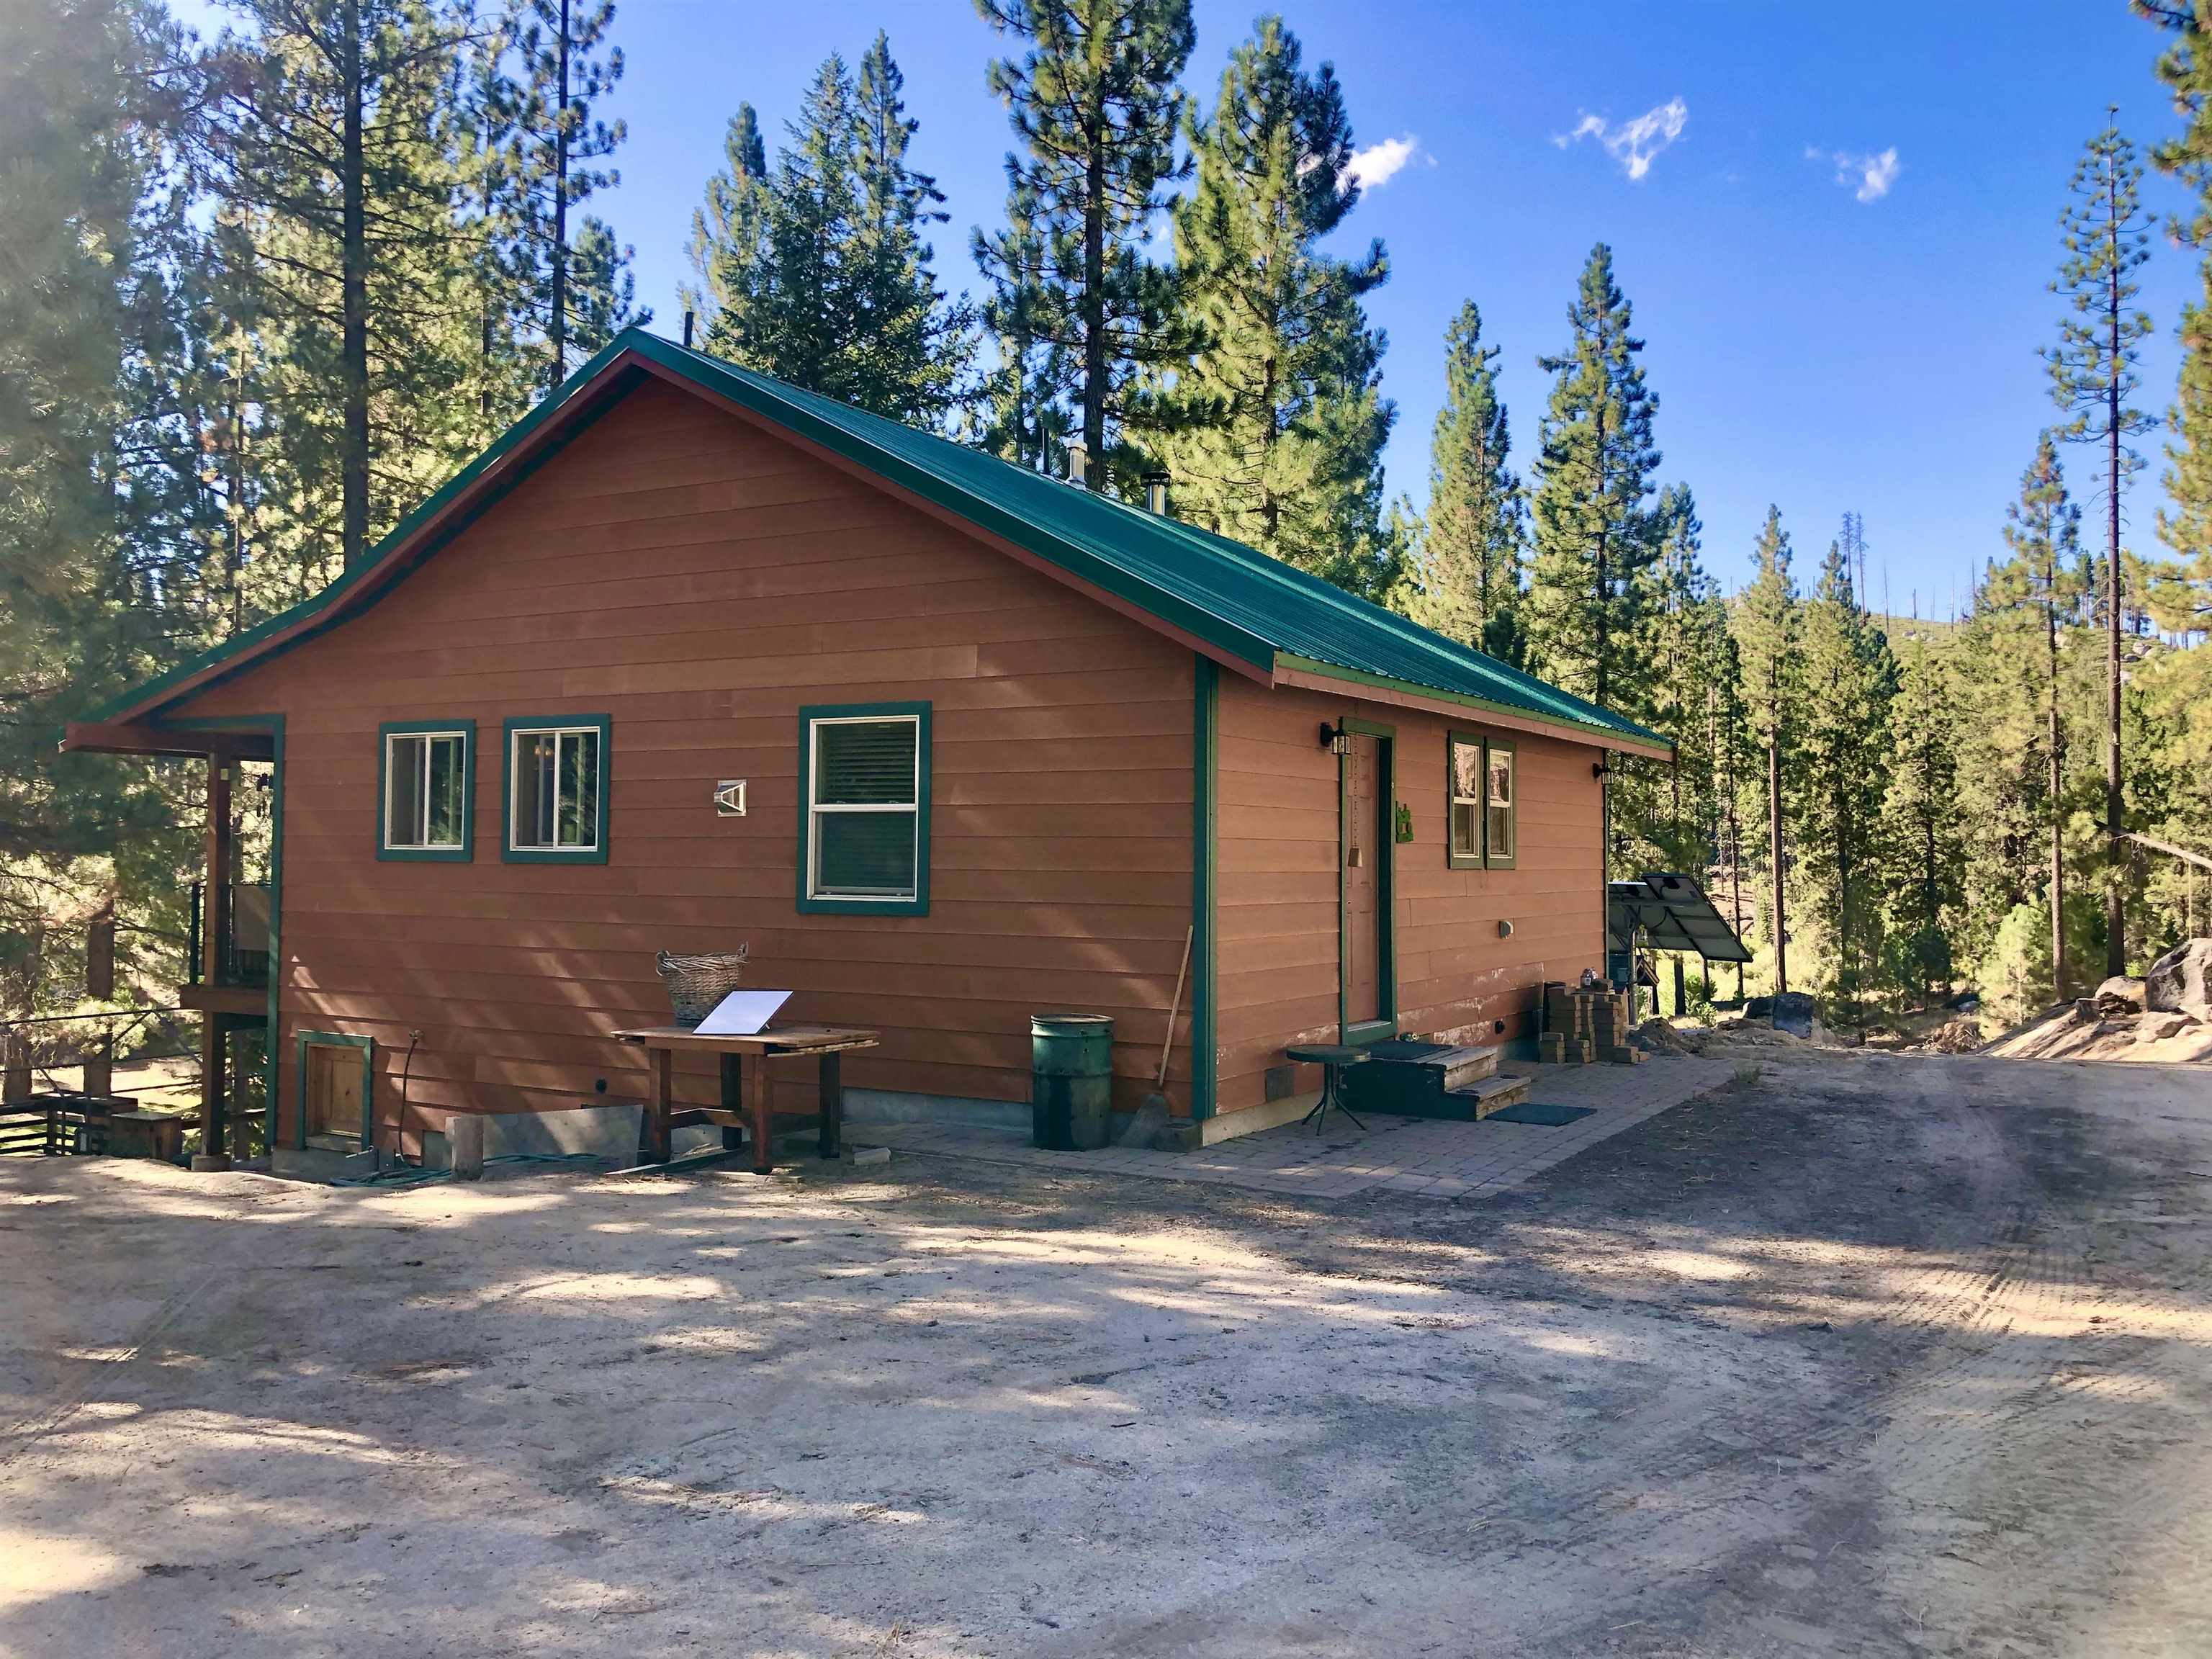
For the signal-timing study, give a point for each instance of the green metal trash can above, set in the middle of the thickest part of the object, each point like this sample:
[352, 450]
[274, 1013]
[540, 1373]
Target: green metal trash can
[1071, 1081]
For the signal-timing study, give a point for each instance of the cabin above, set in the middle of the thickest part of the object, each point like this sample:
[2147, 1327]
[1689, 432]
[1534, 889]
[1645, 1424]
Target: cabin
[691, 657]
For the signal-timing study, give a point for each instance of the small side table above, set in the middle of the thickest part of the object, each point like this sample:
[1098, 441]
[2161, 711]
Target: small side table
[1331, 1058]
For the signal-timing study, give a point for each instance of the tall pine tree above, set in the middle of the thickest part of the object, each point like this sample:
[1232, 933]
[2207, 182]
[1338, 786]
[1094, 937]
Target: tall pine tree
[1846, 677]
[2044, 579]
[1468, 579]
[729, 248]
[1923, 831]
[2094, 369]
[1767, 627]
[1095, 105]
[1280, 424]
[1596, 533]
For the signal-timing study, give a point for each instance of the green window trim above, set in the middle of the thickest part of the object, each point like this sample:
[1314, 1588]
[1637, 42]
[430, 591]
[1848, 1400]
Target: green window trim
[841, 904]
[1482, 855]
[463, 853]
[528, 725]
[307, 1040]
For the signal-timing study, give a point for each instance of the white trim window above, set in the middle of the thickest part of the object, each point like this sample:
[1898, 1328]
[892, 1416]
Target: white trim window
[556, 801]
[426, 786]
[865, 810]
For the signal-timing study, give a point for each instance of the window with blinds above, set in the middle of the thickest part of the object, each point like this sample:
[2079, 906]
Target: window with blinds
[867, 805]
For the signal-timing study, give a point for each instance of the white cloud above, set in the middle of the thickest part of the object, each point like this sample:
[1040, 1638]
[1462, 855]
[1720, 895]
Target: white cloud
[1378, 164]
[1868, 177]
[1633, 143]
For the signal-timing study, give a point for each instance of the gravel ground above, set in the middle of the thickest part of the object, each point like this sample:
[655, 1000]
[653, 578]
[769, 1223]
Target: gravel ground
[1881, 1355]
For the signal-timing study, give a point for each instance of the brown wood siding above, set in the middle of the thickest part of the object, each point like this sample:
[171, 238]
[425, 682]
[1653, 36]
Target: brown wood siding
[699, 581]
[1277, 884]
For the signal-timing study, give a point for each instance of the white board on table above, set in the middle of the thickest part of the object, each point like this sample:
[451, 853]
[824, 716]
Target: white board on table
[742, 1013]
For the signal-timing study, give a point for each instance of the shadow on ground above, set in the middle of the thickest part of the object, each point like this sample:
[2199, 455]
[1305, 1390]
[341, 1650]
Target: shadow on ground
[1882, 1355]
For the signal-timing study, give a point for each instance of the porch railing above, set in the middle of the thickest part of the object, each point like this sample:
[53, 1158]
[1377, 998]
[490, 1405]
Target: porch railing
[242, 951]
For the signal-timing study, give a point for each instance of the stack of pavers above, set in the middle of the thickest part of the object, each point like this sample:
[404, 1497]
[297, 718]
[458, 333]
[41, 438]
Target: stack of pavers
[1586, 1024]
[1567, 1039]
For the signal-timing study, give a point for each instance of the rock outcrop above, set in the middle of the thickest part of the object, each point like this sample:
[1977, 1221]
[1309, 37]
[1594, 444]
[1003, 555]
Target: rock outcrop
[2181, 982]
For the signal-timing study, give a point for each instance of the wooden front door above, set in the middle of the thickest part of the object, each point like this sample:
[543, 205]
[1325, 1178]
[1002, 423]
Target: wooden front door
[333, 1088]
[1366, 845]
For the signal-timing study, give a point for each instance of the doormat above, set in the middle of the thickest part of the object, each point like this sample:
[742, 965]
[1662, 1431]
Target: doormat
[1530, 1111]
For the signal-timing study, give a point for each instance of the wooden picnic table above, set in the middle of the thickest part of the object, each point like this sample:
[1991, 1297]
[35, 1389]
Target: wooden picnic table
[746, 1089]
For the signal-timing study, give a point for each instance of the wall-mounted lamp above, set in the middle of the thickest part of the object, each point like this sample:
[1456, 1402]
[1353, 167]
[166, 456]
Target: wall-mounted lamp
[1335, 738]
[1600, 770]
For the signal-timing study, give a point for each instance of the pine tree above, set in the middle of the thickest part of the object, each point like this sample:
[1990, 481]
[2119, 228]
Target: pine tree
[914, 344]
[554, 164]
[1020, 413]
[2043, 530]
[729, 250]
[1923, 830]
[1767, 628]
[1095, 107]
[111, 517]
[1469, 581]
[1595, 534]
[1279, 424]
[2093, 370]
[1674, 812]
[334, 183]
[1846, 678]
[821, 277]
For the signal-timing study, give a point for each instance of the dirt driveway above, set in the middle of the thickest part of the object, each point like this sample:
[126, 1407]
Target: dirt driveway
[1881, 1356]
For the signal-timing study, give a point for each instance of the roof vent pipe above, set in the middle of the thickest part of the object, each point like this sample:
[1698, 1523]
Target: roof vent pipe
[1079, 463]
[1156, 493]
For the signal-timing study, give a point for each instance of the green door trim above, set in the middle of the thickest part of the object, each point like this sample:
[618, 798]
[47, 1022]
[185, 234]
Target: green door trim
[305, 1040]
[1205, 850]
[272, 1066]
[1386, 885]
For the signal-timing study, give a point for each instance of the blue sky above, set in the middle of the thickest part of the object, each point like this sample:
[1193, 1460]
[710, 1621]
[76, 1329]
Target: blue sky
[1817, 339]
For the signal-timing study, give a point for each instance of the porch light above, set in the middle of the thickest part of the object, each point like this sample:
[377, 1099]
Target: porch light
[1335, 738]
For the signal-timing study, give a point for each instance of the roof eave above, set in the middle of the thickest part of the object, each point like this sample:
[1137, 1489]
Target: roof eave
[1315, 675]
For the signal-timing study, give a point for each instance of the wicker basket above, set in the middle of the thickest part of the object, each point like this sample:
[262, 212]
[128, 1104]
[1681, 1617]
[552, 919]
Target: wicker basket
[697, 983]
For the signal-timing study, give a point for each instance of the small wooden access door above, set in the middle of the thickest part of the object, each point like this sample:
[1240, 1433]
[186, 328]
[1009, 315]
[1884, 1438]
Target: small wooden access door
[1366, 957]
[334, 1085]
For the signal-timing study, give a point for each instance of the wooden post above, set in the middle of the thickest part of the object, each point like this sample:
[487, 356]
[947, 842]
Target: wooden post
[15, 1070]
[99, 1067]
[653, 1135]
[99, 956]
[760, 1117]
[833, 1103]
[215, 929]
[733, 1098]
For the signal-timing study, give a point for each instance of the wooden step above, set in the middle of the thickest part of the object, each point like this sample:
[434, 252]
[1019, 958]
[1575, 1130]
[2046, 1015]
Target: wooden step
[1463, 1067]
[1493, 1094]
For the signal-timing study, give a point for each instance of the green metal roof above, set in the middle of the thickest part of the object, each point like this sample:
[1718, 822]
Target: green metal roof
[1254, 608]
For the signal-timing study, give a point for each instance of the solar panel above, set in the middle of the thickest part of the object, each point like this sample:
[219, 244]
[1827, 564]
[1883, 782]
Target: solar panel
[1672, 913]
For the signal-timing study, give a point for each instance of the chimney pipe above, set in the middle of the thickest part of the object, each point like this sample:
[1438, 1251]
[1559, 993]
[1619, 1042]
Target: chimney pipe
[1156, 493]
[687, 331]
[1079, 463]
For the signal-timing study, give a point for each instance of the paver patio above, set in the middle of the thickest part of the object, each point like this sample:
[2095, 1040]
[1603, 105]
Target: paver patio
[1421, 1157]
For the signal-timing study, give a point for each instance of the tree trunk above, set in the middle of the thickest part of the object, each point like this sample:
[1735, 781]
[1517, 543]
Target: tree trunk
[353, 303]
[2057, 811]
[1774, 856]
[1094, 304]
[2116, 904]
[556, 325]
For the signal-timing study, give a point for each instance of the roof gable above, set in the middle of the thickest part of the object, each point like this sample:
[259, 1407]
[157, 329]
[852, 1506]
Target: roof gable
[1254, 612]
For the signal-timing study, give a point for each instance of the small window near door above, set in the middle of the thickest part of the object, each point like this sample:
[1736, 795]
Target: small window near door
[426, 790]
[1499, 829]
[1482, 786]
[864, 810]
[1466, 785]
[557, 790]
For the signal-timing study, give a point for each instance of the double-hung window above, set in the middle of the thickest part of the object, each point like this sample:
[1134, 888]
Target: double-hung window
[557, 790]
[864, 808]
[1482, 782]
[426, 793]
